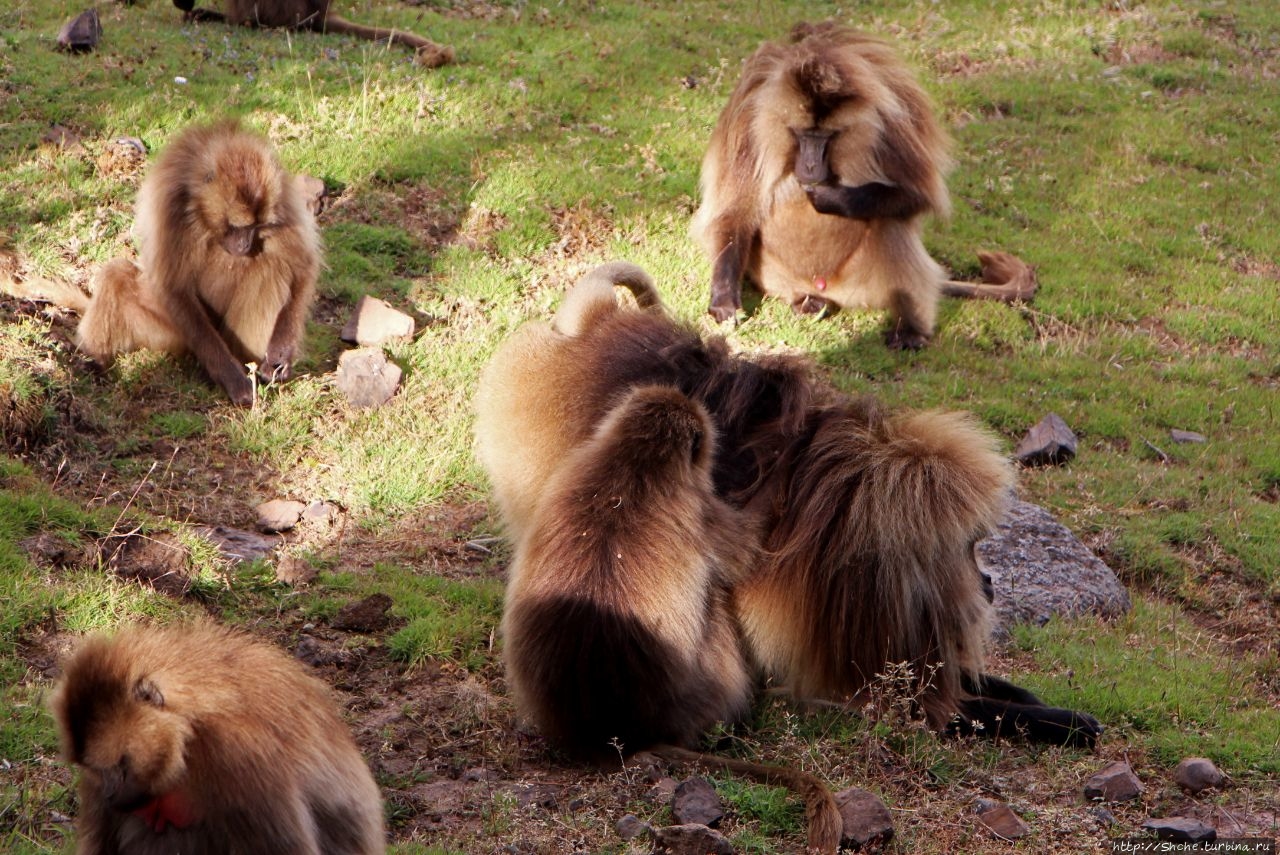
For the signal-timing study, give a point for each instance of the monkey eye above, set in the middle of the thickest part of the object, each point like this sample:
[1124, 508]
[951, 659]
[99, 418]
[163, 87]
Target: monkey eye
[148, 693]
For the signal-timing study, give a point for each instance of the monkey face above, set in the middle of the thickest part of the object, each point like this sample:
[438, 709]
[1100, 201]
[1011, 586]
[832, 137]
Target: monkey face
[239, 197]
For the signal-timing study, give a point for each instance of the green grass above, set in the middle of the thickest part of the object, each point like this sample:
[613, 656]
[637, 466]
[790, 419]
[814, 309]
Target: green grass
[1127, 152]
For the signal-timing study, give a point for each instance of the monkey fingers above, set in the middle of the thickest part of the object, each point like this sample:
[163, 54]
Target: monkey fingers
[870, 201]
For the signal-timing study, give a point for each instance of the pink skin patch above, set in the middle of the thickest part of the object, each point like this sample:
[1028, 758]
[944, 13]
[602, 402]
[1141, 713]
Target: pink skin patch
[820, 282]
[170, 809]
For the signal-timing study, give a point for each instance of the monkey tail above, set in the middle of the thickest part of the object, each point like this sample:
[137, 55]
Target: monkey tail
[59, 293]
[595, 290]
[1005, 277]
[429, 53]
[825, 825]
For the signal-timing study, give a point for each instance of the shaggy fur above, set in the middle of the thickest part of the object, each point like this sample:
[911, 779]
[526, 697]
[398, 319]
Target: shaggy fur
[868, 519]
[199, 740]
[817, 179]
[228, 259]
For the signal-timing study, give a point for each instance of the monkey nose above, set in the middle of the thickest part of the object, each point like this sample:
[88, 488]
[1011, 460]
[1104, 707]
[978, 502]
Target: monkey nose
[239, 241]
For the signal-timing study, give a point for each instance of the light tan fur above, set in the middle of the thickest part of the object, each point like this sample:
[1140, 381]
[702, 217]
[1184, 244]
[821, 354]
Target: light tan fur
[228, 255]
[199, 740]
[855, 87]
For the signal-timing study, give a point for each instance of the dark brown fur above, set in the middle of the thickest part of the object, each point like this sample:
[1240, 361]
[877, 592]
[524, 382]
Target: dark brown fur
[868, 518]
[199, 740]
[618, 631]
[817, 179]
[228, 255]
[318, 16]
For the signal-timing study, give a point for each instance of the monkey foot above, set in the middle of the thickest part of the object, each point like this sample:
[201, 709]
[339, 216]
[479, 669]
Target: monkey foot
[813, 305]
[433, 55]
[725, 314]
[900, 338]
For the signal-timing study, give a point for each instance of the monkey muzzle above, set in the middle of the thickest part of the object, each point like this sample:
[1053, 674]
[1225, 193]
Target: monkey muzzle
[811, 156]
[240, 241]
[120, 791]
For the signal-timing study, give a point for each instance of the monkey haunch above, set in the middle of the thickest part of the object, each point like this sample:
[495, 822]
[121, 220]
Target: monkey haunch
[228, 255]
[867, 518]
[318, 16]
[817, 179]
[201, 741]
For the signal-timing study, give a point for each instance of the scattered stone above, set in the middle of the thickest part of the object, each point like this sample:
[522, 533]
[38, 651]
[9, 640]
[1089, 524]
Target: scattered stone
[1114, 783]
[82, 33]
[867, 822]
[320, 512]
[663, 790]
[691, 840]
[480, 774]
[319, 654]
[1039, 569]
[1001, 821]
[1196, 774]
[313, 192]
[238, 545]
[1103, 816]
[293, 570]
[366, 377]
[374, 322]
[64, 138]
[158, 560]
[1049, 441]
[631, 826]
[279, 515]
[367, 615]
[1182, 829]
[542, 796]
[696, 802]
[1185, 436]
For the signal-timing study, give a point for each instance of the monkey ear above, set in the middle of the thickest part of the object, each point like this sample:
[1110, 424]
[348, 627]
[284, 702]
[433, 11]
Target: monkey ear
[148, 692]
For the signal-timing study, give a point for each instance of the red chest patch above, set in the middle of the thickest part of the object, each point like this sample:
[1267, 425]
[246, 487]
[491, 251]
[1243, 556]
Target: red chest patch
[171, 809]
[820, 282]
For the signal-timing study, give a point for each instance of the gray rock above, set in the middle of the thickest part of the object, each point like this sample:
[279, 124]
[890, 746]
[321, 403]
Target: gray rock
[1182, 829]
[1114, 783]
[320, 512]
[82, 33]
[366, 377]
[1049, 441]
[865, 818]
[1001, 821]
[631, 826]
[696, 801]
[691, 840]
[1185, 436]
[279, 515]
[1195, 774]
[374, 322]
[293, 570]
[239, 545]
[1039, 569]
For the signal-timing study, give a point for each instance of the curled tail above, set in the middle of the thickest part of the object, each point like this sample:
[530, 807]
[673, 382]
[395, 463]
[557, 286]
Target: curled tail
[594, 292]
[825, 825]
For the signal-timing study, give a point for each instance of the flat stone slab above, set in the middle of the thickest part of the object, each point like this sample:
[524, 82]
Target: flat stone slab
[1039, 569]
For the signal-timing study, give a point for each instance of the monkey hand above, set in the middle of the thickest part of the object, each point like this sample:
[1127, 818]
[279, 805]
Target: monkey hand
[278, 366]
[833, 199]
[239, 388]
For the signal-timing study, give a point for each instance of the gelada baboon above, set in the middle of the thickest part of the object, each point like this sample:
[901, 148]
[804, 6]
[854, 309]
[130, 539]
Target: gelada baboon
[867, 519]
[314, 15]
[818, 177]
[197, 739]
[617, 630]
[228, 255]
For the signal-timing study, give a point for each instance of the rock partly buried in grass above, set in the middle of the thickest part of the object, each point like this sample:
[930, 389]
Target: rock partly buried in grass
[1181, 829]
[366, 377]
[295, 570]
[690, 840]
[631, 826]
[1114, 783]
[866, 820]
[1197, 774]
[1000, 820]
[367, 615]
[696, 802]
[1187, 436]
[374, 322]
[82, 33]
[1039, 569]
[279, 515]
[1049, 442]
[238, 545]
